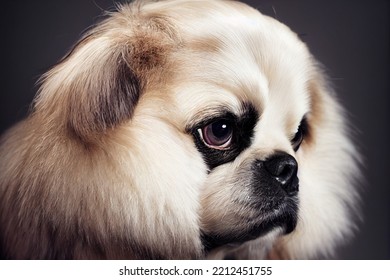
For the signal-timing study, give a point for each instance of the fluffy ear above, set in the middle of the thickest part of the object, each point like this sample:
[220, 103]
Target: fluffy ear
[104, 90]
[98, 84]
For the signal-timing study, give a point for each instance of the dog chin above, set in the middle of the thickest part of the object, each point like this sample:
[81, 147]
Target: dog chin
[279, 222]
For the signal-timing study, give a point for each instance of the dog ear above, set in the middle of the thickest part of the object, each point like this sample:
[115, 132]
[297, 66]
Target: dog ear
[98, 84]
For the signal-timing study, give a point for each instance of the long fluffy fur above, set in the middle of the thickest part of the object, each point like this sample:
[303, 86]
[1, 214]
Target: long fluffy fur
[104, 166]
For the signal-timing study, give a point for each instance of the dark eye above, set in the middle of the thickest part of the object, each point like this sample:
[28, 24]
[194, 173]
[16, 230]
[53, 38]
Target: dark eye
[299, 135]
[218, 134]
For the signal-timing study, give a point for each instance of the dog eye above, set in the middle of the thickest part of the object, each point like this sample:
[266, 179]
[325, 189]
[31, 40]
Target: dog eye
[299, 135]
[218, 134]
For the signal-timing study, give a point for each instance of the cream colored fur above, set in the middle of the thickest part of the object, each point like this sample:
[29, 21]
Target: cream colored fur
[104, 167]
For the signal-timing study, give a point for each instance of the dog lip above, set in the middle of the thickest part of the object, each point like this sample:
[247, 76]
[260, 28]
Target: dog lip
[286, 219]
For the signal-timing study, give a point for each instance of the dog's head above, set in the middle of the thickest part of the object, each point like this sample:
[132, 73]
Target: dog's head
[218, 128]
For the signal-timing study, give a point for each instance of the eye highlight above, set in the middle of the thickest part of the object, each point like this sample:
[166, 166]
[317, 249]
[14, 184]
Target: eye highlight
[299, 135]
[218, 134]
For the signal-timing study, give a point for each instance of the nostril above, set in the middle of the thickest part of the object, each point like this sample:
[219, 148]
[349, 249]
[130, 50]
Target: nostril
[283, 167]
[285, 174]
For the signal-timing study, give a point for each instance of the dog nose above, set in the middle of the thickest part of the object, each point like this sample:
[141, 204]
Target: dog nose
[283, 168]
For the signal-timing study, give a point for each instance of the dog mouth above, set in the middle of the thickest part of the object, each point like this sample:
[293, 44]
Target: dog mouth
[266, 202]
[285, 219]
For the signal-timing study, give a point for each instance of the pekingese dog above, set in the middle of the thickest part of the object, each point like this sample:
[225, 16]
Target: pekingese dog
[180, 129]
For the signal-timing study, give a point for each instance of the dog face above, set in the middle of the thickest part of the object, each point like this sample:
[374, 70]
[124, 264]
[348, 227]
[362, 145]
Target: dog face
[248, 127]
[180, 129]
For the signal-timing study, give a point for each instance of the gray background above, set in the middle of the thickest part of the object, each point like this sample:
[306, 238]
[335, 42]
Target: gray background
[351, 38]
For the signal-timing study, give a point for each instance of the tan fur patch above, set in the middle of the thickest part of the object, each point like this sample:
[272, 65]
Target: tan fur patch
[316, 113]
[208, 45]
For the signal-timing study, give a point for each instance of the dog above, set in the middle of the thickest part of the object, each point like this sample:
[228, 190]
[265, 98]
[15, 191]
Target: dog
[181, 129]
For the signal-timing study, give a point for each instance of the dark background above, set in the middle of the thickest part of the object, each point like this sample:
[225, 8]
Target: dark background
[351, 38]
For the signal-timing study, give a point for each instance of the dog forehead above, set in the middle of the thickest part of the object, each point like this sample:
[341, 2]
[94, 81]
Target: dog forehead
[234, 54]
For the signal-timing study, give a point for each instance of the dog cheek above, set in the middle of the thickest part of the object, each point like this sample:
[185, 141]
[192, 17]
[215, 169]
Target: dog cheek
[224, 202]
